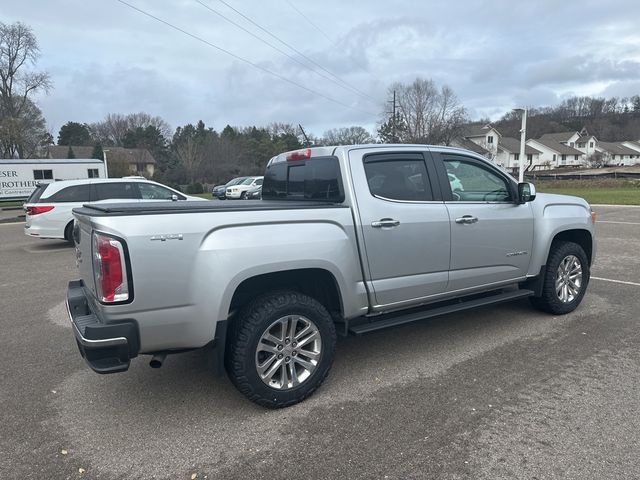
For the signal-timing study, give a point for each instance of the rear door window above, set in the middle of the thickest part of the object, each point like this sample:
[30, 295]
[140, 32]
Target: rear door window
[115, 190]
[398, 177]
[75, 193]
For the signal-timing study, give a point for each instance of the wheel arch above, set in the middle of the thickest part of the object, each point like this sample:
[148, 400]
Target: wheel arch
[580, 236]
[318, 283]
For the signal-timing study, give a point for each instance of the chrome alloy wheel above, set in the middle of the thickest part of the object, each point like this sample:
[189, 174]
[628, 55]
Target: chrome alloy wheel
[568, 279]
[288, 352]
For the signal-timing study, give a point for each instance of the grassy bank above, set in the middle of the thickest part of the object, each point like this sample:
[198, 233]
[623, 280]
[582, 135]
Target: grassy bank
[11, 204]
[609, 191]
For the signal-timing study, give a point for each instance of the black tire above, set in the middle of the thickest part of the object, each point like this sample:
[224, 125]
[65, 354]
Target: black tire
[243, 196]
[68, 233]
[245, 334]
[549, 301]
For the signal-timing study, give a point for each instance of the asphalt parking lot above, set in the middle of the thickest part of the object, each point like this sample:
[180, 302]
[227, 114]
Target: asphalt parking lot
[498, 393]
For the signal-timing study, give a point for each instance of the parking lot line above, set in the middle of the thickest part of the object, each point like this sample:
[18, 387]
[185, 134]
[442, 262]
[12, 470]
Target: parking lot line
[12, 223]
[615, 281]
[623, 223]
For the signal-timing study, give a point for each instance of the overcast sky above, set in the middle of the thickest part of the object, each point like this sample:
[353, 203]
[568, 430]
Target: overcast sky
[104, 57]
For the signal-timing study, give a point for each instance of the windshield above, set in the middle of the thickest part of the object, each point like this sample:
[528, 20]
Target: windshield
[235, 181]
[248, 181]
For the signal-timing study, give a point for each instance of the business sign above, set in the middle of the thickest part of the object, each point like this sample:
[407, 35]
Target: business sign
[14, 185]
[19, 178]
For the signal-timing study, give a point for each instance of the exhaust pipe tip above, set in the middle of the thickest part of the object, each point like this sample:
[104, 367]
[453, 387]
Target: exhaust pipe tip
[157, 360]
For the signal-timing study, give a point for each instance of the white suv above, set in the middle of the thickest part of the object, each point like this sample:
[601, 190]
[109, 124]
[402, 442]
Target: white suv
[240, 190]
[49, 206]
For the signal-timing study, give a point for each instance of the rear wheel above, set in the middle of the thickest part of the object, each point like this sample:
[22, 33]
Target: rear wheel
[281, 349]
[68, 233]
[566, 279]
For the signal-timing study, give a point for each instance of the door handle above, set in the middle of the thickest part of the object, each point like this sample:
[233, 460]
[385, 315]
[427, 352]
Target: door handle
[467, 219]
[385, 222]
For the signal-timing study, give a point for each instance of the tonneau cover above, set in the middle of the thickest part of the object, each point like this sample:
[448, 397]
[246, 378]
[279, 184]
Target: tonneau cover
[205, 206]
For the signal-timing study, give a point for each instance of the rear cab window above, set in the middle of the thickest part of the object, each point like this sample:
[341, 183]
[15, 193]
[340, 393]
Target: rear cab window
[314, 179]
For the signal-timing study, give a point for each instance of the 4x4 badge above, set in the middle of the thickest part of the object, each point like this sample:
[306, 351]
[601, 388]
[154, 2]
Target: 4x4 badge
[169, 236]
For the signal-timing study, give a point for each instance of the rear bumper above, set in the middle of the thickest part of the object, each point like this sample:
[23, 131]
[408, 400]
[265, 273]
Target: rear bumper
[107, 348]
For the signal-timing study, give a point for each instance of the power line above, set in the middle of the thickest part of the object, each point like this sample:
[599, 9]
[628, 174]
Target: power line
[244, 60]
[341, 84]
[322, 32]
[310, 60]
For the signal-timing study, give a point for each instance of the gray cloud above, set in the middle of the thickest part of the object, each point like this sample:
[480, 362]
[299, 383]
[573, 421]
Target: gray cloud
[496, 54]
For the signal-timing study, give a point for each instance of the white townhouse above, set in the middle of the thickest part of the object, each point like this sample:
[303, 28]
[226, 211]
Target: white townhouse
[633, 145]
[617, 153]
[555, 154]
[486, 137]
[509, 154]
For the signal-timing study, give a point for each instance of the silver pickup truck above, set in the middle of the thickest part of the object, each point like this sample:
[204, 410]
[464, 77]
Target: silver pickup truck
[348, 239]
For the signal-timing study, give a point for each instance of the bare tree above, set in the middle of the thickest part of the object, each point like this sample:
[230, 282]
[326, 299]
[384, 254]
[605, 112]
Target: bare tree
[354, 135]
[112, 130]
[429, 114]
[19, 50]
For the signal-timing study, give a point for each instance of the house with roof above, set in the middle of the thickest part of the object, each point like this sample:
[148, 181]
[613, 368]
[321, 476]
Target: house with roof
[555, 153]
[633, 145]
[462, 142]
[139, 160]
[509, 154]
[485, 136]
[617, 153]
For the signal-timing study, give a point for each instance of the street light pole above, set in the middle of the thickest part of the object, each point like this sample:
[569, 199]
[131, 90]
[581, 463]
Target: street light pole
[523, 139]
[104, 157]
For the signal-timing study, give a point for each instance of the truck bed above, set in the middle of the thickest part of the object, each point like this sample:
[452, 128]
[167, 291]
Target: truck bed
[206, 206]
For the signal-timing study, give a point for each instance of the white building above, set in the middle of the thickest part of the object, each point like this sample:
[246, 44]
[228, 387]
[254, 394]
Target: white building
[486, 137]
[19, 177]
[617, 153]
[509, 154]
[556, 154]
[633, 146]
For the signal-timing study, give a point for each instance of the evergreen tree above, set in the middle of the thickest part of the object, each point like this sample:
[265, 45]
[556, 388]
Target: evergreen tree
[70, 153]
[97, 153]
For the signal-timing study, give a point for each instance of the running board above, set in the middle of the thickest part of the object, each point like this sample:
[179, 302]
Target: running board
[393, 320]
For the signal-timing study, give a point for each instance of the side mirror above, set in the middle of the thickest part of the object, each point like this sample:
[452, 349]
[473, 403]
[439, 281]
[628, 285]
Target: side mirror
[526, 192]
[174, 198]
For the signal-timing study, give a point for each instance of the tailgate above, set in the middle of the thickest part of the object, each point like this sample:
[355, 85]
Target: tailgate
[82, 237]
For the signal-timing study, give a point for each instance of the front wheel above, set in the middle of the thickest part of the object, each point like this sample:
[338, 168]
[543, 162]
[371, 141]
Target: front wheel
[243, 196]
[566, 279]
[281, 349]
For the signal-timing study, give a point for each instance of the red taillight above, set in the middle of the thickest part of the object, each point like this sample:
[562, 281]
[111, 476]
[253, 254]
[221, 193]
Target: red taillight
[31, 211]
[299, 155]
[109, 269]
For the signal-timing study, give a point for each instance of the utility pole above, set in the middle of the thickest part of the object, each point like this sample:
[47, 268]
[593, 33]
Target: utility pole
[395, 135]
[306, 139]
[523, 139]
[394, 124]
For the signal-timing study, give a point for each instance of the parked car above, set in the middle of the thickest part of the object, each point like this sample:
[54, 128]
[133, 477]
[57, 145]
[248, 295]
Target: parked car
[219, 191]
[266, 286]
[254, 193]
[240, 190]
[48, 209]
